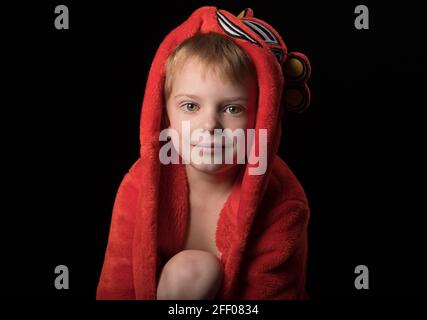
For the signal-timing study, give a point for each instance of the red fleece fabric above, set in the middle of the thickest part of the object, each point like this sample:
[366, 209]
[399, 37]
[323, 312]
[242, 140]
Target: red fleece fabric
[262, 229]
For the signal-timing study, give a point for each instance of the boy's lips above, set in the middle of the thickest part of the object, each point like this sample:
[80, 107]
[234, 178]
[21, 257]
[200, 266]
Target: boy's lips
[208, 145]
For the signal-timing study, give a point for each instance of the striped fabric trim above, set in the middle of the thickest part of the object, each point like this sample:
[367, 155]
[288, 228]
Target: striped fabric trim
[232, 29]
[278, 53]
[265, 34]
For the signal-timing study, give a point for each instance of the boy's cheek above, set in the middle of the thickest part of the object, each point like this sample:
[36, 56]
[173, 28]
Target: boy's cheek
[165, 121]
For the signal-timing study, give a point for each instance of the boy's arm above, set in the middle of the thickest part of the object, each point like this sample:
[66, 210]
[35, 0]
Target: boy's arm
[275, 265]
[116, 281]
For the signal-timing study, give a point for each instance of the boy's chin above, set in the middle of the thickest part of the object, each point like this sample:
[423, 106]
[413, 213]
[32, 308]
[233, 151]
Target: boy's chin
[212, 168]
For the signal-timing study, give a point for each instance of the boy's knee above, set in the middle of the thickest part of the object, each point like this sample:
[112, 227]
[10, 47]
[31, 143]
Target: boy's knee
[190, 274]
[193, 265]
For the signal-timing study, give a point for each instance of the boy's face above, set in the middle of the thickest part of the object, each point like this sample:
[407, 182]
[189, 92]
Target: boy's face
[208, 102]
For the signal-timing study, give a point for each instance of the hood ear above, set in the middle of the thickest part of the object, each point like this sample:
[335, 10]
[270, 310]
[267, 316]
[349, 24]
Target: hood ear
[296, 70]
[247, 13]
[295, 66]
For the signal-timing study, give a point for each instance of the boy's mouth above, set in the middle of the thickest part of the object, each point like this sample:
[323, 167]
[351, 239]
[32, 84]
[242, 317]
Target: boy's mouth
[208, 145]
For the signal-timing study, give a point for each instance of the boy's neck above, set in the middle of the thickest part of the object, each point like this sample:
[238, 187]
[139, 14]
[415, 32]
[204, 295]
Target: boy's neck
[207, 183]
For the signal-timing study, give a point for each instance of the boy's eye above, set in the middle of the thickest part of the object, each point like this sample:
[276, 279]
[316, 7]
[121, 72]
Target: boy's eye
[234, 109]
[190, 107]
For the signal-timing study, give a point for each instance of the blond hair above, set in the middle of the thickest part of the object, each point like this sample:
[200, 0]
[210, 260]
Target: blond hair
[216, 53]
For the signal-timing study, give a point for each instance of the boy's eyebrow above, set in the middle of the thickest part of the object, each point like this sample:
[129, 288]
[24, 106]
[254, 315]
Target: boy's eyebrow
[236, 99]
[192, 96]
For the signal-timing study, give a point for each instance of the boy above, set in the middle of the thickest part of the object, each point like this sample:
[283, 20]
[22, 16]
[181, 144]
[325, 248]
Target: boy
[207, 228]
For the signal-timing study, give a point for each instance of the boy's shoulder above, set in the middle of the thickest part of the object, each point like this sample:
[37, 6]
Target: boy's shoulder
[132, 177]
[284, 207]
[283, 185]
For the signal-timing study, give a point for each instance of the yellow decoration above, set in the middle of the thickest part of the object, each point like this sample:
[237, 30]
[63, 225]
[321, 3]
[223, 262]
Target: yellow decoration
[294, 68]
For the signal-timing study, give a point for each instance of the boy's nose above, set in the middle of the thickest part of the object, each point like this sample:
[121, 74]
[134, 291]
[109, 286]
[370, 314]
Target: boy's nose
[211, 122]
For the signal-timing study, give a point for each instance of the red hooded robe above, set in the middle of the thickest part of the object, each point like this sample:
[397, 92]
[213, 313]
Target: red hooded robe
[262, 229]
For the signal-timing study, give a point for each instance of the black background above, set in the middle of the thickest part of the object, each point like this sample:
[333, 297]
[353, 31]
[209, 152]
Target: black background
[70, 127]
